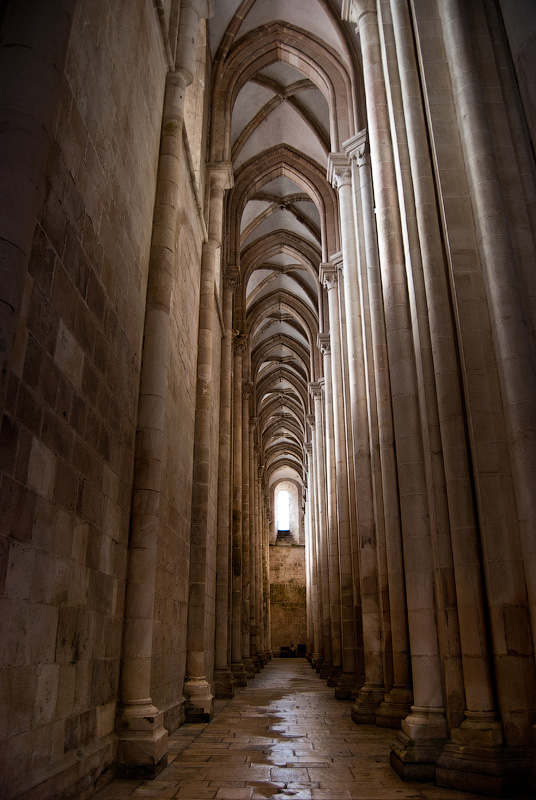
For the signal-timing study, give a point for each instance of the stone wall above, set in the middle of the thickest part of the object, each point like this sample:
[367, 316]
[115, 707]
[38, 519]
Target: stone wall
[287, 595]
[68, 432]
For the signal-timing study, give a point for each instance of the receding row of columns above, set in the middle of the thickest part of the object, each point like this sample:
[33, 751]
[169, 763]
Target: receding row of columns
[405, 612]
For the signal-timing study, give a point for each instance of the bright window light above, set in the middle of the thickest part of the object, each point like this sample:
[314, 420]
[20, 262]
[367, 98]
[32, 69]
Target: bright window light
[283, 511]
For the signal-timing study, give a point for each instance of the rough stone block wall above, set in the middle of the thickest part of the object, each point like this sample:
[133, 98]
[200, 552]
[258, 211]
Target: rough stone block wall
[287, 595]
[69, 428]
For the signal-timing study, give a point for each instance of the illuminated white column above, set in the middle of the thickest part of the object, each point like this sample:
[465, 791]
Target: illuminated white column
[424, 730]
[329, 277]
[223, 678]
[372, 692]
[315, 389]
[332, 538]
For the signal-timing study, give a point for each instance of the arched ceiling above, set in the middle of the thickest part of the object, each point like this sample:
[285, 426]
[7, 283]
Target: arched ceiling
[285, 94]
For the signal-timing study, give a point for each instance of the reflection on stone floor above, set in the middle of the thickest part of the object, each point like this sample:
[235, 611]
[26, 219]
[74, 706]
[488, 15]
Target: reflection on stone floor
[284, 736]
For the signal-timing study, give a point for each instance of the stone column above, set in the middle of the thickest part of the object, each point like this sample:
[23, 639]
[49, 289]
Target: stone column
[266, 562]
[312, 549]
[258, 550]
[511, 336]
[332, 539]
[32, 61]
[199, 698]
[223, 678]
[253, 549]
[424, 730]
[397, 703]
[261, 636]
[481, 725]
[246, 530]
[142, 738]
[237, 666]
[315, 389]
[328, 276]
[372, 692]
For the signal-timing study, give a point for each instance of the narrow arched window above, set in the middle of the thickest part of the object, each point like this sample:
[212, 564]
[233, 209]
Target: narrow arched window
[283, 511]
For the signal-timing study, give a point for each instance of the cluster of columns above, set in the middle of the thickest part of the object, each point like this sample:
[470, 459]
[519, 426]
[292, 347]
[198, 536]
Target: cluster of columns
[248, 611]
[401, 616]
[228, 569]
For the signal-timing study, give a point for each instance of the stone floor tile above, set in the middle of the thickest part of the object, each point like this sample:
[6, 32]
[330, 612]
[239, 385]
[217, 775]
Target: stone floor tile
[234, 794]
[283, 737]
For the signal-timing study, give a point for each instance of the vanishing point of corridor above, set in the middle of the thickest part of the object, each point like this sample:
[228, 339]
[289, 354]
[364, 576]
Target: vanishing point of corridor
[283, 736]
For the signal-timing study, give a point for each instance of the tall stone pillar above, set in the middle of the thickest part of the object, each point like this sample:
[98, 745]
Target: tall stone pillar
[246, 530]
[32, 58]
[266, 570]
[261, 632]
[197, 689]
[237, 666]
[332, 538]
[315, 389]
[396, 704]
[348, 679]
[481, 726]
[142, 738]
[372, 692]
[424, 731]
[313, 562]
[253, 549]
[223, 678]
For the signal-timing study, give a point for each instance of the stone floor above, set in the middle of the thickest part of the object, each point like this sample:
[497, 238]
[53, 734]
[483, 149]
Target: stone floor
[283, 736]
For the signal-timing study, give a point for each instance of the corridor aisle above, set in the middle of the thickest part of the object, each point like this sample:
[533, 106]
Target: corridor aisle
[283, 736]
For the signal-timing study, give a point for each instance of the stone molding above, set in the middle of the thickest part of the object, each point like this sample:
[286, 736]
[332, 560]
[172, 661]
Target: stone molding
[221, 174]
[315, 388]
[339, 171]
[358, 147]
[240, 342]
[231, 278]
[352, 10]
[328, 275]
[323, 343]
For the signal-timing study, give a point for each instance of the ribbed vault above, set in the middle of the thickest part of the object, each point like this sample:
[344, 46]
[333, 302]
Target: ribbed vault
[284, 94]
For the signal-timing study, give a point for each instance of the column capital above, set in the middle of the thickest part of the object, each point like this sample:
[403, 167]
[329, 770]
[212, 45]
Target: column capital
[231, 278]
[308, 446]
[323, 343]
[328, 275]
[339, 170]
[247, 390]
[352, 10]
[221, 174]
[315, 388]
[311, 420]
[358, 147]
[240, 342]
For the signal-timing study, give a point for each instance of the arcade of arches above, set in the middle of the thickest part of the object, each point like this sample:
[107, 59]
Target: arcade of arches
[254, 246]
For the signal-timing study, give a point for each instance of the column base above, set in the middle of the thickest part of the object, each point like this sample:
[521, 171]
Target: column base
[142, 741]
[223, 684]
[239, 674]
[473, 759]
[347, 682]
[325, 669]
[257, 662]
[334, 675]
[316, 661]
[419, 744]
[366, 705]
[395, 707]
[249, 666]
[199, 700]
